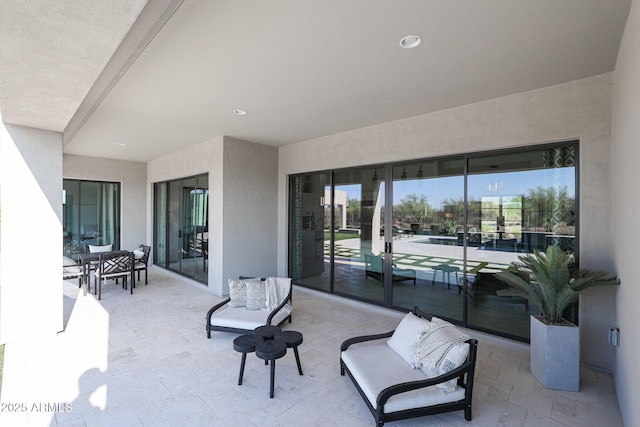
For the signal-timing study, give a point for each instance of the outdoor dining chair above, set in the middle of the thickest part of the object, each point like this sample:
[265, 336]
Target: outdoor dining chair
[142, 261]
[114, 266]
[97, 249]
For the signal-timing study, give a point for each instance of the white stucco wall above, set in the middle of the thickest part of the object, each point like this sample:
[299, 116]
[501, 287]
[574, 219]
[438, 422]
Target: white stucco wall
[132, 177]
[576, 110]
[30, 232]
[195, 160]
[242, 204]
[250, 209]
[625, 131]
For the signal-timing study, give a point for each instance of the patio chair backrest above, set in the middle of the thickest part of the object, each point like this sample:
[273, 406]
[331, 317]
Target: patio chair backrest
[113, 263]
[146, 250]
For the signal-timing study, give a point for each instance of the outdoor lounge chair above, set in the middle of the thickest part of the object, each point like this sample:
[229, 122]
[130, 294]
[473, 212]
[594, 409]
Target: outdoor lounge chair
[374, 267]
[392, 388]
[228, 316]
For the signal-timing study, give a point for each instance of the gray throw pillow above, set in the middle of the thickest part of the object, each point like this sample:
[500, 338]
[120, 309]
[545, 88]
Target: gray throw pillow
[256, 295]
[237, 293]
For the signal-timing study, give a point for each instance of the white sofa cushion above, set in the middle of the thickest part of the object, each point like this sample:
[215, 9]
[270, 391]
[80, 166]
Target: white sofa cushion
[376, 367]
[406, 336]
[241, 318]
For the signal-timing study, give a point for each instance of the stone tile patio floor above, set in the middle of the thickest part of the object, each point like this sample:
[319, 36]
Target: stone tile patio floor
[144, 360]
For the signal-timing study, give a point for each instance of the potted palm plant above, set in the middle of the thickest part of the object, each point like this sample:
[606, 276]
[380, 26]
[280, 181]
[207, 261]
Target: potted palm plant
[547, 280]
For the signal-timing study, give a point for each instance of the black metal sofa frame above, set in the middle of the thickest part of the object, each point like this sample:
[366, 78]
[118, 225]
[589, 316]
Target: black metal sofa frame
[464, 373]
[211, 327]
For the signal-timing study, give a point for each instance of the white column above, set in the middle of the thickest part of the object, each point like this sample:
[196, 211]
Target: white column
[30, 232]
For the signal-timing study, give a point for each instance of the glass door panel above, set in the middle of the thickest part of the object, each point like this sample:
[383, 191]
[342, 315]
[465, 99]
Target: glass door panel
[427, 225]
[71, 218]
[160, 224]
[195, 234]
[199, 197]
[182, 244]
[187, 220]
[518, 203]
[174, 237]
[358, 229]
[91, 215]
[310, 253]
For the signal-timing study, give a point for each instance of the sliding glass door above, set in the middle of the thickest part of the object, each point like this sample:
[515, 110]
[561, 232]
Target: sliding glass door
[358, 234]
[181, 226]
[310, 259]
[91, 215]
[435, 232]
[428, 214]
[518, 203]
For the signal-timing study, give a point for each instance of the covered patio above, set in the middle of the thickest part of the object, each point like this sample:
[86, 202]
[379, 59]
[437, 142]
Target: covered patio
[144, 360]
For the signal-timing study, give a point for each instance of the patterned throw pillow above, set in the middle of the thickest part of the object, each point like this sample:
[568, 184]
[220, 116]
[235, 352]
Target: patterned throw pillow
[256, 295]
[237, 293]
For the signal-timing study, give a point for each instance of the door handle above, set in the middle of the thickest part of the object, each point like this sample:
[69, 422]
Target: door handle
[387, 247]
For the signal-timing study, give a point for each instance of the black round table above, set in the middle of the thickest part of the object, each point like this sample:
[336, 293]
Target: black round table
[270, 343]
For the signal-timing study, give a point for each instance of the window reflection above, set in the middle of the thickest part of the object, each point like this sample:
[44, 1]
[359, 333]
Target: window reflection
[450, 226]
[91, 215]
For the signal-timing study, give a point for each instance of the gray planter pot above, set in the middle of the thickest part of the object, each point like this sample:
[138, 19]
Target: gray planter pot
[555, 355]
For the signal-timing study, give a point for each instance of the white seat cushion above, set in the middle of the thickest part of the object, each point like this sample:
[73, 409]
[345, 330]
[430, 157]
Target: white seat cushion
[241, 318]
[376, 367]
[71, 271]
[111, 275]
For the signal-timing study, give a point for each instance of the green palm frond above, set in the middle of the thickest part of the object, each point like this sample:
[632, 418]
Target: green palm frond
[544, 279]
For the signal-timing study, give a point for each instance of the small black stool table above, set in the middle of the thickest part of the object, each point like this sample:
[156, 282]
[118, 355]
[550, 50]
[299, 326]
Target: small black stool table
[270, 343]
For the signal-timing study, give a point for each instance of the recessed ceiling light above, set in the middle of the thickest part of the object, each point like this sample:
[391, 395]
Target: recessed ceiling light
[239, 112]
[120, 144]
[409, 42]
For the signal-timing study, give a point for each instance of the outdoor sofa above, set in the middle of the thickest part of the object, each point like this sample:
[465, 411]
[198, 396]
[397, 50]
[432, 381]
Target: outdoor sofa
[386, 369]
[252, 302]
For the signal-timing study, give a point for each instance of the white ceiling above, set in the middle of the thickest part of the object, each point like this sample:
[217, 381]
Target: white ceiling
[302, 69]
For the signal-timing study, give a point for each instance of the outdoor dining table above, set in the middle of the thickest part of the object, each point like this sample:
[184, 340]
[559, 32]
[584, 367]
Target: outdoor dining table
[85, 263]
